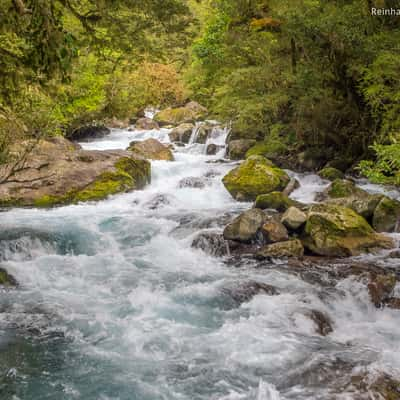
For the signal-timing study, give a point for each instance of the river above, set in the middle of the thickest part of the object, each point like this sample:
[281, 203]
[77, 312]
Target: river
[115, 304]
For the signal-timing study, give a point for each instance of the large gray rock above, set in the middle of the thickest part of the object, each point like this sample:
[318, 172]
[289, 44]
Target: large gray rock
[57, 171]
[293, 218]
[274, 231]
[151, 149]
[245, 227]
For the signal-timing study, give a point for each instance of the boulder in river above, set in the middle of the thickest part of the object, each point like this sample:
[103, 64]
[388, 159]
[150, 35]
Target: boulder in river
[245, 227]
[333, 230]
[293, 218]
[191, 112]
[291, 186]
[151, 149]
[211, 243]
[254, 177]
[88, 132]
[290, 248]
[146, 124]
[322, 322]
[244, 292]
[192, 182]
[237, 148]
[213, 149]
[330, 173]
[340, 188]
[181, 133]
[274, 231]
[57, 171]
[386, 216]
[275, 201]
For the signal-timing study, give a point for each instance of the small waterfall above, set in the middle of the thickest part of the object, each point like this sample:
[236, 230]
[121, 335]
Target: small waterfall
[267, 391]
[195, 133]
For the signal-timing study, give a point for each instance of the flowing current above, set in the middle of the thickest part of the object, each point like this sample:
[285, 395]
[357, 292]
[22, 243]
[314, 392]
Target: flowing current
[115, 304]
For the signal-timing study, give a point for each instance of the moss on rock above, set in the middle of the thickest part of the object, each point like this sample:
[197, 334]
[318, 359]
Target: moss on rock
[386, 216]
[6, 279]
[276, 201]
[330, 174]
[333, 230]
[253, 177]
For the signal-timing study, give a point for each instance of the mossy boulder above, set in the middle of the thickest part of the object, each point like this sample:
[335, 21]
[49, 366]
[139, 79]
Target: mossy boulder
[386, 216]
[174, 116]
[253, 177]
[146, 124]
[275, 201]
[270, 148]
[151, 149]
[333, 230]
[57, 172]
[237, 148]
[290, 248]
[343, 188]
[330, 173]
[7, 280]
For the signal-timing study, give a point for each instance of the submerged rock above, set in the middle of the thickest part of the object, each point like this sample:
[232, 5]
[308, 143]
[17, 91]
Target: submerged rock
[290, 248]
[181, 133]
[191, 112]
[6, 279]
[386, 216]
[192, 182]
[57, 172]
[246, 227]
[380, 288]
[254, 177]
[151, 149]
[244, 292]
[322, 321]
[146, 124]
[293, 218]
[211, 243]
[333, 230]
[275, 201]
[237, 148]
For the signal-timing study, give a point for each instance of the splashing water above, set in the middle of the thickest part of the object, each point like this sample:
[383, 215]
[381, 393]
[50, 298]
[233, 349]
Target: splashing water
[115, 304]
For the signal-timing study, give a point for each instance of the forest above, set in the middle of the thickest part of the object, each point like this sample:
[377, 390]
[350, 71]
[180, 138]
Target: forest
[319, 77]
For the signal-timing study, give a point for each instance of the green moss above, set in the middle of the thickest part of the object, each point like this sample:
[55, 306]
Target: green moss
[253, 177]
[386, 215]
[331, 173]
[174, 116]
[276, 201]
[267, 148]
[343, 188]
[129, 174]
[6, 279]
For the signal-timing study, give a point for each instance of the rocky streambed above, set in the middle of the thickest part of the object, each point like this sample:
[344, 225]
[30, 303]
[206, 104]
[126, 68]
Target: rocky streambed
[203, 284]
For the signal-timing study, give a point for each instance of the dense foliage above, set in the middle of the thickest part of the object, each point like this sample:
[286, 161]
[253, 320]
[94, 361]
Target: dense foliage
[323, 72]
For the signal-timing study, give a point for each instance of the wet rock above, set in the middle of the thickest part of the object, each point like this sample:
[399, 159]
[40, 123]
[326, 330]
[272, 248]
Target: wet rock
[181, 133]
[192, 182]
[191, 112]
[383, 387]
[203, 131]
[290, 248]
[146, 124]
[246, 291]
[254, 177]
[338, 231]
[211, 243]
[275, 201]
[322, 321]
[58, 172]
[291, 186]
[237, 148]
[293, 218]
[386, 216]
[274, 231]
[380, 288]
[330, 173]
[393, 302]
[246, 227]
[394, 254]
[157, 202]
[118, 123]
[213, 149]
[151, 149]
[7, 280]
[89, 132]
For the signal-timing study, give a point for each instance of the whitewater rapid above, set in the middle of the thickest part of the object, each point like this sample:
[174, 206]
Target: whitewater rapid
[115, 304]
